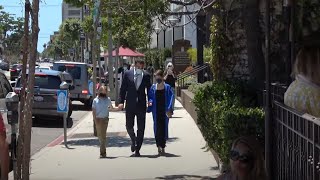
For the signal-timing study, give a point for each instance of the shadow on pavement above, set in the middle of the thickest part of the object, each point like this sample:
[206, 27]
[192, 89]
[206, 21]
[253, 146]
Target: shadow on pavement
[178, 108]
[80, 107]
[167, 155]
[184, 176]
[51, 122]
[114, 141]
[176, 117]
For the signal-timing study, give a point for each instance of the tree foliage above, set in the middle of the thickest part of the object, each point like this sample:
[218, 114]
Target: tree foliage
[131, 20]
[68, 37]
[13, 29]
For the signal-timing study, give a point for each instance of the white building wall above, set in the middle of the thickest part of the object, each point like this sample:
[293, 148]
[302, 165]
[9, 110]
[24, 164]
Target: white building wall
[69, 11]
[187, 32]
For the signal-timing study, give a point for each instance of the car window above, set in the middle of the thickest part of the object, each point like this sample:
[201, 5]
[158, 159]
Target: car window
[67, 77]
[5, 85]
[74, 71]
[45, 81]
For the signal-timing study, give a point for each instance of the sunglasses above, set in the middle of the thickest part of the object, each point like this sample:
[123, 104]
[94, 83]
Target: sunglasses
[237, 156]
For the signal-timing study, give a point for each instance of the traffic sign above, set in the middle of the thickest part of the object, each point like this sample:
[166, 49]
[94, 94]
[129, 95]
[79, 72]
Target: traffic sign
[90, 83]
[62, 101]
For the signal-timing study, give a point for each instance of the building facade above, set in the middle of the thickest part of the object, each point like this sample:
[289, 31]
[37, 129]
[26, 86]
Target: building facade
[69, 11]
[185, 28]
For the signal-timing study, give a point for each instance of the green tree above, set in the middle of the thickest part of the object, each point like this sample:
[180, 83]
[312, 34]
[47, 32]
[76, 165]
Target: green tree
[131, 23]
[69, 37]
[13, 29]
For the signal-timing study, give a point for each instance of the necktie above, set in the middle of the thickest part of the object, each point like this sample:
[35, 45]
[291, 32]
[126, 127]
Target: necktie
[137, 81]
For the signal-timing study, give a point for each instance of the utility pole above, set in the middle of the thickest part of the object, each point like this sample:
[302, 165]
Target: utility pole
[110, 58]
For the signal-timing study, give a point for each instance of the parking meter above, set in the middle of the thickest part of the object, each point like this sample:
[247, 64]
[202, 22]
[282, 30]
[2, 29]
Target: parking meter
[64, 86]
[12, 103]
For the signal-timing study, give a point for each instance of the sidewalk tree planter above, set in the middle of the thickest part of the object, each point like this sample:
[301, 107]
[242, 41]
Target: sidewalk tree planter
[226, 111]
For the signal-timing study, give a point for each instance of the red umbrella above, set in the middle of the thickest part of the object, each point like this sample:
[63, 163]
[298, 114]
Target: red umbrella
[125, 52]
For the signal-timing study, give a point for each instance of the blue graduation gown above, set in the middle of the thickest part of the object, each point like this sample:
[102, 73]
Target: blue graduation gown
[168, 104]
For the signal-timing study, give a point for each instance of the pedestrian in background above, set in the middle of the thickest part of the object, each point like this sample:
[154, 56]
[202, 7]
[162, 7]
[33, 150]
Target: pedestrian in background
[160, 104]
[132, 66]
[170, 78]
[150, 70]
[101, 106]
[4, 152]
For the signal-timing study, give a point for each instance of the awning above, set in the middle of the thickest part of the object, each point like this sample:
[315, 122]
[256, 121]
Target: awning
[125, 52]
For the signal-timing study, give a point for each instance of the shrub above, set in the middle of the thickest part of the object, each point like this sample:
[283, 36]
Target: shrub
[226, 110]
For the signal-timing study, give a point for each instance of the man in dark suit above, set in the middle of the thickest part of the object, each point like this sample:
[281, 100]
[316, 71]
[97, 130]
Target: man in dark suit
[133, 89]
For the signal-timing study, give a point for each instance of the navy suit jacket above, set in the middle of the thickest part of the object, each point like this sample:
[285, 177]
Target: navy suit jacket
[135, 99]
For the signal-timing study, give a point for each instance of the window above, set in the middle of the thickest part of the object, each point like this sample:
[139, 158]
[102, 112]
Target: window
[74, 71]
[45, 81]
[74, 12]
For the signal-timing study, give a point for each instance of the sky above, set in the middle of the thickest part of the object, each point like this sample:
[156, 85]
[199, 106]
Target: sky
[50, 16]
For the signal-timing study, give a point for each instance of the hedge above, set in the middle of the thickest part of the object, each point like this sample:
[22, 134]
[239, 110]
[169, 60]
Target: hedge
[226, 111]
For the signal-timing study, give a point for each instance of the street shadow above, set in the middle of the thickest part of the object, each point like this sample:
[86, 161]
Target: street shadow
[167, 155]
[109, 157]
[51, 122]
[215, 168]
[80, 107]
[178, 108]
[114, 141]
[145, 156]
[184, 176]
[176, 117]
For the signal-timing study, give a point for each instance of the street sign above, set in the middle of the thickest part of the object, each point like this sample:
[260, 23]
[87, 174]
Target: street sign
[62, 101]
[90, 83]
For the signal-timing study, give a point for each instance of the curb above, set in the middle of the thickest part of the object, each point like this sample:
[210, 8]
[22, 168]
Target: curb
[60, 139]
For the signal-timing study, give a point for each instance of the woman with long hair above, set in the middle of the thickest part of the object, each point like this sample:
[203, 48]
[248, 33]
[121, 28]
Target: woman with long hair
[303, 94]
[160, 103]
[246, 160]
[170, 78]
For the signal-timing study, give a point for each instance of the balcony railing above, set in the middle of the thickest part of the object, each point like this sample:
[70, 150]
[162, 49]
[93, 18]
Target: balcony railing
[182, 78]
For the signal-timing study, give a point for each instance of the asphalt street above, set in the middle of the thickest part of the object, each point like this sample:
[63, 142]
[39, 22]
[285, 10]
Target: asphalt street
[45, 131]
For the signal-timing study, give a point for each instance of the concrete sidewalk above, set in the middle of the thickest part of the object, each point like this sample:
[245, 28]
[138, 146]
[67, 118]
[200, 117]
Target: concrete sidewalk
[186, 159]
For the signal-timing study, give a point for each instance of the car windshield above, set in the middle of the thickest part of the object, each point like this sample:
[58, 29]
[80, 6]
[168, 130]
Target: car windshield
[74, 71]
[45, 81]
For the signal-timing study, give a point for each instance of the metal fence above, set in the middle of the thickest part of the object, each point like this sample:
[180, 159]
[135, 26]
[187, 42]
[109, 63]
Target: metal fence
[296, 137]
[182, 78]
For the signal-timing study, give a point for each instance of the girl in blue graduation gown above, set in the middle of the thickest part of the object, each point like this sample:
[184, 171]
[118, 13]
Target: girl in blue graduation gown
[160, 104]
